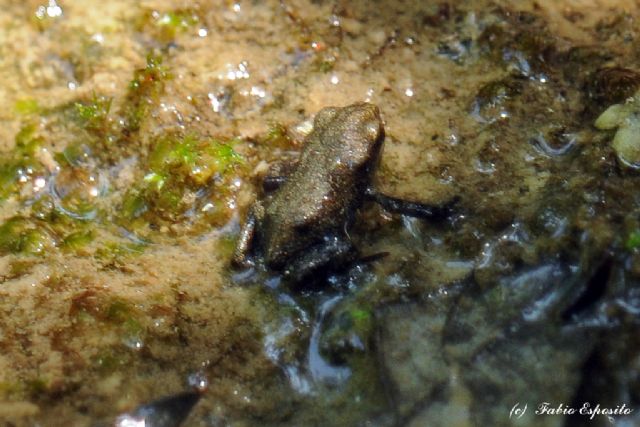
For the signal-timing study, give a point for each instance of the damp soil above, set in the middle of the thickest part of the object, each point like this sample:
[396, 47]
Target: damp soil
[134, 137]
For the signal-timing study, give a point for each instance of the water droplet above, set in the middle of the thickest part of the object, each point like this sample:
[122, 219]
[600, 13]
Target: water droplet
[198, 380]
[129, 421]
[258, 91]
[52, 10]
[133, 342]
[484, 167]
[98, 38]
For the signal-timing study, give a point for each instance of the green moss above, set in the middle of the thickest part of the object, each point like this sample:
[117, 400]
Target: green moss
[192, 157]
[34, 242]
[155, 180]
[109, 360]
[72, 233]
[325, 66]
[20, 164]
[78, 240]
[174, 22]
[127, 319]
[24, 389]
[277, 136]
[183, 177]
[177, 169]
[144, 89]
[132, 328]
[220, 156]
[166, 26]
[168, 202]
[118, 311]
[113, 251]
[633, 241]
[27, 107]
[360, 315]
[8, 179]
[20, 235]
[173, 152]
[133, 205]
[28, 141]
[226, 246]
[19, 267]
[94, 114]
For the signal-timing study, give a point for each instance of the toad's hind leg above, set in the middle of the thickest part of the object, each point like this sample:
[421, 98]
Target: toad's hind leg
[319, 260]
[414, 209]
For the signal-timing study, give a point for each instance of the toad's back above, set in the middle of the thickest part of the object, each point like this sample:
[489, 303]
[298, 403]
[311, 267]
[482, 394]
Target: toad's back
[328, 183]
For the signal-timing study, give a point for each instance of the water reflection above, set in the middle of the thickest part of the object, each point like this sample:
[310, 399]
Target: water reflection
[559, 146]
[320, 369]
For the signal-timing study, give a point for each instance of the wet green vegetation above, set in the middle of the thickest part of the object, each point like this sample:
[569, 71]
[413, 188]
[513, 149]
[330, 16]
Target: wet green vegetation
[20, 166]
[181, 178]
[178, 169]
[166, 26]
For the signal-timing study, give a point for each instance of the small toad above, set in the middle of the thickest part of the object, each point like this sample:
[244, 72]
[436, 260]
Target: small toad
[301, 227]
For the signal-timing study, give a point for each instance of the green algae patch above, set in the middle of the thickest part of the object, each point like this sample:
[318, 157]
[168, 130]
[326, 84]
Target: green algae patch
[20, 267]
[19, 235]
[25, 388]
[21, 167]
[226, 245]
[111, 359]
[633, 241]
[277, 136]
[76, 241]
[183, 176]
[9, 174]
[65, 195]
[94, 114]
[111, 252]
[144, 90]
[42, 232]
[166, 26]
[27, 106]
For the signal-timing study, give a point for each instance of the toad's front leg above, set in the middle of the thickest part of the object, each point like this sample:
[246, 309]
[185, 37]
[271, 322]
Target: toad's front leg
[245, 248]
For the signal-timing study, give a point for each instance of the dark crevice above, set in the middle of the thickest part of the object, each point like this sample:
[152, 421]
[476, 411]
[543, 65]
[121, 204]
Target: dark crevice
[594, 291]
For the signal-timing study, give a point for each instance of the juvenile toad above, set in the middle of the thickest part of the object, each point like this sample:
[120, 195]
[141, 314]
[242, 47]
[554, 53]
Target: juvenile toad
[301, 227]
